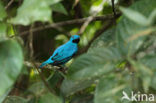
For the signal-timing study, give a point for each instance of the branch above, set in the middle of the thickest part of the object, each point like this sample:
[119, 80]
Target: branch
[61, 70]
[30, 39]
[10, 2]
[29, 64]
[70, 22]
[75, 3]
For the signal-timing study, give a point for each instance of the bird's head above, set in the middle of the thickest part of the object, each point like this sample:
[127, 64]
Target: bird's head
[75, 39]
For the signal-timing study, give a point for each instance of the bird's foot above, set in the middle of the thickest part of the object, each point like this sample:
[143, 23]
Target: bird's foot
[63, 69]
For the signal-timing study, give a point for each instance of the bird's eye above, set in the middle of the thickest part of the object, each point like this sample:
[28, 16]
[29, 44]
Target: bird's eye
[76, 40]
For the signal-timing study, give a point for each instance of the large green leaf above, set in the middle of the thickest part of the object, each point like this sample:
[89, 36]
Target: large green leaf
[54, 79]
[59, 8]
[69, 86]
[149, 61]
[144, 73]
[41, 94]
[49, 98]
[104, 40]
[37, 88]
[34, 10]
[88, 68]
[110, 89]
[2, 98]
[94, 57]
[92, 71]
[84, 78]
[127, 28]
[11, 58]
[2, 12]
[137, 17]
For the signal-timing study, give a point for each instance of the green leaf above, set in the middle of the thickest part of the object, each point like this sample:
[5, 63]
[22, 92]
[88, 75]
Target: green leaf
[59, 8]
[37, 88]
[104, 40]
[10, 30]
[34, 10]
[69, 86]
[144, 73]
[135, 16]
[152, 16]
[89, 67]
[42, 94]
[139, 18]
[97, 58]
[92, 71]
[2, 12]
[153, 81]
[49, 98]
[11, 58]
[127, 28]
[54, 79]
[82, 98]
[3, 29]
[2, 98]
[15, 99]
[149, 61]
[110, 88]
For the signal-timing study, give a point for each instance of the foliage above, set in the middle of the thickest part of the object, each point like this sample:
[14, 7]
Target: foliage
[2, 12]
[11, 64]
[32, 11]
[120, 58]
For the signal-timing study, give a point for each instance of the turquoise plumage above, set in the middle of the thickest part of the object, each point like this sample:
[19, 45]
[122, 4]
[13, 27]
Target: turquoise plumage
[64, 52]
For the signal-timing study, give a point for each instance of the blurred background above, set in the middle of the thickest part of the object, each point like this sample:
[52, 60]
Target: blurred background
[117, 50]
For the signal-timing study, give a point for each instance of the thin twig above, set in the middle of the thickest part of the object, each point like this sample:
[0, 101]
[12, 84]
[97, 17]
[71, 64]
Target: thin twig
[97, 34]
[31, 42]
[60, 29]
[114, 12]
[89, 19]
[75, 3]
[10, 2]
[113, 8]
[83, 27]
[69, 22]
[43, 78]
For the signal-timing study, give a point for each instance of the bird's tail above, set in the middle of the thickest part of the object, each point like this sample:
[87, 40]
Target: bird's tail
[43, 64]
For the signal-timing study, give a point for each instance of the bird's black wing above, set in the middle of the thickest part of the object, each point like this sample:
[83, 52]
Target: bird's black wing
[57, 55]
[62, 61]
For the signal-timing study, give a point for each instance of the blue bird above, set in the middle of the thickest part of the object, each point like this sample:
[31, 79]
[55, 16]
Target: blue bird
[63, 53]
